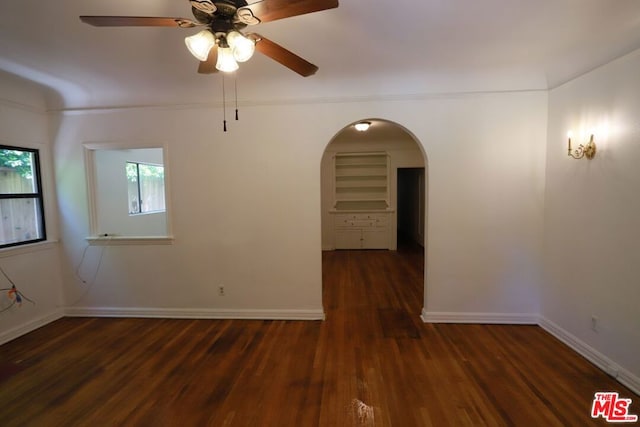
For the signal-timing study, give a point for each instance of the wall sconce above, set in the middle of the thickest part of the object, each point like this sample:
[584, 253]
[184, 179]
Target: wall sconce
[588, 151]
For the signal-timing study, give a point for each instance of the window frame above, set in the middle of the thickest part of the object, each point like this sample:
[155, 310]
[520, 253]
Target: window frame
[139, 187]
[90, 149]
[38, 195]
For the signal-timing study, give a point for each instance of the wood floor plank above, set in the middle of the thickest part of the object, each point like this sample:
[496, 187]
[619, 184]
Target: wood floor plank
[371, 363]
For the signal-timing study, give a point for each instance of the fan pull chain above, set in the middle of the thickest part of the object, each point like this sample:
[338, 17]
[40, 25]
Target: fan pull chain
[224, 107]
[235, 82]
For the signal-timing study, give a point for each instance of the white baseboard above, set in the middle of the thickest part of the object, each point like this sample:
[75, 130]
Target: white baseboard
[173, 313]
[592, 355]
[32, 325]
[489, 318]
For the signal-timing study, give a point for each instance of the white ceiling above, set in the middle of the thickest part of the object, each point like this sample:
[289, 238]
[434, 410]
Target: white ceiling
[364, 49]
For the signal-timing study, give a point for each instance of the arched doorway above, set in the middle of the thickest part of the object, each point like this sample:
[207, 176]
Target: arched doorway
[373, 194]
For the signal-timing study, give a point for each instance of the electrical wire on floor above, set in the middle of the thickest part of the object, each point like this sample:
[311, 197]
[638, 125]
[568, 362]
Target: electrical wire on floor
[77, 270]
[15, 296]
[91, 282]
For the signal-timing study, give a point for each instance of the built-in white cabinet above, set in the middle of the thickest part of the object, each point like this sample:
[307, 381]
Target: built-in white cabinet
[361, 201]
[361, 230]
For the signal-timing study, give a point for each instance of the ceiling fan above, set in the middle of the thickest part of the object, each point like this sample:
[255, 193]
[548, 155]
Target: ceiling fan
[222, 43]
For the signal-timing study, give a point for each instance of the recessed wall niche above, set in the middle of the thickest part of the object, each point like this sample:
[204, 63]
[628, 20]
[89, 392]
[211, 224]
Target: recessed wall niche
[128, 193]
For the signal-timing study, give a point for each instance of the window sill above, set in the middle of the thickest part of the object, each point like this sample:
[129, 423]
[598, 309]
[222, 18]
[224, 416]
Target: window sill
[28, 248]
[129, 240]
[147, 213]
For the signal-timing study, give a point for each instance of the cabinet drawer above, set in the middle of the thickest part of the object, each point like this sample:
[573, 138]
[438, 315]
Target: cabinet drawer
[350, 223]
[381, 220]
[346, 217]
[363, 223]
[360, 220]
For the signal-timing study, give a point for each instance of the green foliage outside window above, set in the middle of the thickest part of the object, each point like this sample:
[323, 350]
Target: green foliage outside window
[145, 171]
[145, 187]
[21, 199]
[19, 161]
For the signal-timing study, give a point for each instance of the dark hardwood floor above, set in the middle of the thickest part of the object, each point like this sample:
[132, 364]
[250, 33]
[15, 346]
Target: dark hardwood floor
[371, 363]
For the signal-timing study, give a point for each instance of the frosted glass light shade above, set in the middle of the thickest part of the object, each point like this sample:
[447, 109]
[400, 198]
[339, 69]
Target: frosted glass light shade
[241, 46]
[200, 44]
[226, 61]
[362, 126]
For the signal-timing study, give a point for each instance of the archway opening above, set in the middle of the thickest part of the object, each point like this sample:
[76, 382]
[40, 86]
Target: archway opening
[374, 203]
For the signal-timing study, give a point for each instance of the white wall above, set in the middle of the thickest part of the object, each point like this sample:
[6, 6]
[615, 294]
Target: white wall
[592, 217]
[34, 268]
[253, 223]
[485, 206]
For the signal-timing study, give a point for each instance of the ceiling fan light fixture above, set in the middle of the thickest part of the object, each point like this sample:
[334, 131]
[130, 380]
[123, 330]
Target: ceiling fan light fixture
[226, 61]
[200, 44]
[242, 47]
[217, 18]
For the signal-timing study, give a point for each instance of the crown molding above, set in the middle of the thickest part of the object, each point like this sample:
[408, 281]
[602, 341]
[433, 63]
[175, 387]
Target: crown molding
[295, 101]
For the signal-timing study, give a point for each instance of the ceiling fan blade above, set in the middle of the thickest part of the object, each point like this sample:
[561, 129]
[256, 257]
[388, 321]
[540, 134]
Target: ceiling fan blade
[137, 21]
[209, 66]
[271, 10]
[283, 56]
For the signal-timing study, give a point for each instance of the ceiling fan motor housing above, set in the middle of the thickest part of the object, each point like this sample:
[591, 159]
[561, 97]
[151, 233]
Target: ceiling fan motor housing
[227, 7]
[223, 19]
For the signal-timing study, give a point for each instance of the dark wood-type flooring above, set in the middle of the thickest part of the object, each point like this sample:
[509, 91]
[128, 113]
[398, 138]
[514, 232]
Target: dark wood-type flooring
[371, 363]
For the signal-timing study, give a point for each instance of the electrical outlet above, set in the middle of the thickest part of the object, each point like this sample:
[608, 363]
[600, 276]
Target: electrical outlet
[594, 324]
[221, 290]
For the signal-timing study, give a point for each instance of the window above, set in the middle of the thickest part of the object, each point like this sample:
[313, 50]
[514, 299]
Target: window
[120, 175]
[21, 201]
[145, 184]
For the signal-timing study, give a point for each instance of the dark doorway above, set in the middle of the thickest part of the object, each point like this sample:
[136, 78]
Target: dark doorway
[410, 206]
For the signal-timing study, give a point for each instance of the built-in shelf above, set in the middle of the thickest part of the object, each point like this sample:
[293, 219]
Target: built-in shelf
[361, 181]
[361, 201]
